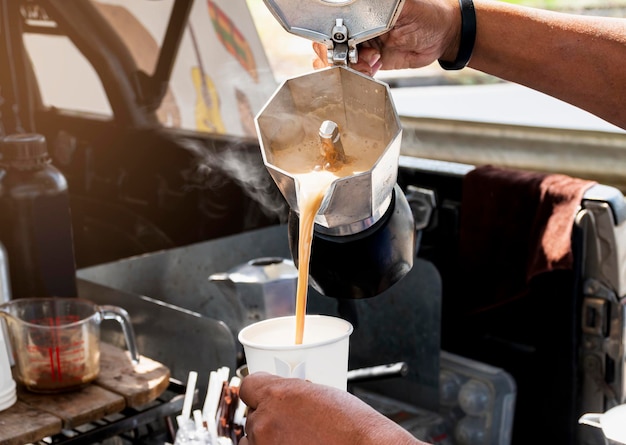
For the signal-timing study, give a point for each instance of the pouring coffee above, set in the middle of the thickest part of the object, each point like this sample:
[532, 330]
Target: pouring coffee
[331, 141]
[363, 234]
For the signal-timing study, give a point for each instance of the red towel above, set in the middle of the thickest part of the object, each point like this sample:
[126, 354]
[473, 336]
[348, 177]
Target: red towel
[514, 226]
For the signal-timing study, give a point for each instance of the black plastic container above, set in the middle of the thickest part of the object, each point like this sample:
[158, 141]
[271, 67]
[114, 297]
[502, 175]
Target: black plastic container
[35, 220]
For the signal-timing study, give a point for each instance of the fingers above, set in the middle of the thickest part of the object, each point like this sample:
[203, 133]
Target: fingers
[252, 388]
[318, 64]
[320, 49]
[322, 55]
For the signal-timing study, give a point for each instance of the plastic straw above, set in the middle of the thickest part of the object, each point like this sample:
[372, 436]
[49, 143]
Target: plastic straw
[224, 373]
[180, 421]
[239, 418]
[197, 417]
[191, 387]
[212, 397]
[212, 428]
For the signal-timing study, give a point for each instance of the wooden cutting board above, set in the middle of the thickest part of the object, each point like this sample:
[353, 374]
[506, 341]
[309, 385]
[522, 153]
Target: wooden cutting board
[138, 384]
[22, 424]
[119, 385]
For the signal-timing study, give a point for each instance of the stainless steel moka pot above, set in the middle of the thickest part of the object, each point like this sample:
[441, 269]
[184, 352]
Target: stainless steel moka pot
[364, 231]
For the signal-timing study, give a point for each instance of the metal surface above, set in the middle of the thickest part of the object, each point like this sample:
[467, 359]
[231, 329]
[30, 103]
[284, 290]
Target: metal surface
[598, 155]
[612, 197]
[363, 108]
[180, 276]
[339, 24]
[182, 340]
[379, 372]
[603, 312]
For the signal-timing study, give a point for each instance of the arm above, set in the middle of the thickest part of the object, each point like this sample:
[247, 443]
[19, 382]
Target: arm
[578, 59]
[292, 411]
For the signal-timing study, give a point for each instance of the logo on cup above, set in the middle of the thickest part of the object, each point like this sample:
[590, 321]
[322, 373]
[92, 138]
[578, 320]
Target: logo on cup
[284, 369]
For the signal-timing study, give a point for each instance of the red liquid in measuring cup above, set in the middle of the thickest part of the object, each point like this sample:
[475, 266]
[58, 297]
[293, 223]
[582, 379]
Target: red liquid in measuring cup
[64, 360]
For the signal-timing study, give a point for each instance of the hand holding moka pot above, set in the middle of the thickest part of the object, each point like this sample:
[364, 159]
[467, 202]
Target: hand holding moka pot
[337, 121]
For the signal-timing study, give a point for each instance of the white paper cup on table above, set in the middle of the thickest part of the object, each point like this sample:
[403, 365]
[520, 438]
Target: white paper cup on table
[322, 357]
[8, 395]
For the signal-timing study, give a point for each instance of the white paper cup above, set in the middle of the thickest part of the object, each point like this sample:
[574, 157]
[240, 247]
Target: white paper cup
[322, 357]
[9, 402]
[7, 394]
[7, 384]
[8, 397]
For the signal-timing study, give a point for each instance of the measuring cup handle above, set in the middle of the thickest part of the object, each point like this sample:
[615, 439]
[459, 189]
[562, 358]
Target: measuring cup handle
[121, 316]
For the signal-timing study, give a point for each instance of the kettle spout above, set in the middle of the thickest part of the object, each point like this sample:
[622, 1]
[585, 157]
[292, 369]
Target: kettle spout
[224, 283]
[592, 419]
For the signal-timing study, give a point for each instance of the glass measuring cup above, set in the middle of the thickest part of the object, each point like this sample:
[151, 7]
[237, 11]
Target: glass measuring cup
[56, 341]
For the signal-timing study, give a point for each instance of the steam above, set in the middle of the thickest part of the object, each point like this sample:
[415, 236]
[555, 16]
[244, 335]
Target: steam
[241, 164]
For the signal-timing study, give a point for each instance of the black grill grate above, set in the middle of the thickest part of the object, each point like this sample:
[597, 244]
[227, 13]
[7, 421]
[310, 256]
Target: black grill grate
[150, 424]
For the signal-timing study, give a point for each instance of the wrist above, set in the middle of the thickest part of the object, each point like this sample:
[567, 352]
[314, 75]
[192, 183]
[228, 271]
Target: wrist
[453, 35]
[459, 51]
[380, 430]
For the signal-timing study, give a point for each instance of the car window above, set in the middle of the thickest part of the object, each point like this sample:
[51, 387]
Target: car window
[76, 89]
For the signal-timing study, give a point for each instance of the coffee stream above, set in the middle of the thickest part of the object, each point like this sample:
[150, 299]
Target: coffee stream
[311, 188]
[310, 196]
[316, 160]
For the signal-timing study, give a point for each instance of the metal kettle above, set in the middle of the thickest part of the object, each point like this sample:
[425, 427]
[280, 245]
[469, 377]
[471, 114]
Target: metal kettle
[261, 288]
